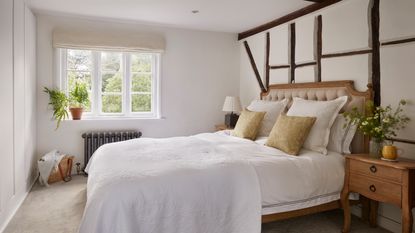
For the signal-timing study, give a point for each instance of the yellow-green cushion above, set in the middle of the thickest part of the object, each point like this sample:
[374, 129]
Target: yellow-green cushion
[248, 124]
[289, 133]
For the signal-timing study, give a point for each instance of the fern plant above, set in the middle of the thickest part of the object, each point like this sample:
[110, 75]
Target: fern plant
[59, 102]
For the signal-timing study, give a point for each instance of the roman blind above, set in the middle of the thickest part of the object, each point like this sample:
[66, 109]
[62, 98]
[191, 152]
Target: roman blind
[113, 40]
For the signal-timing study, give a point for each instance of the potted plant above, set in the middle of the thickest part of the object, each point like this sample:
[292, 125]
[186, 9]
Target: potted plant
[59, 102]
[78, 99]
[380, 123]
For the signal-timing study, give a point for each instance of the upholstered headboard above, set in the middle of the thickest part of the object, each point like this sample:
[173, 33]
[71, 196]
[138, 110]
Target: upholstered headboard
[323, 91]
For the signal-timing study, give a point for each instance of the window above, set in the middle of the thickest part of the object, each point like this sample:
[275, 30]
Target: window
[121, 84]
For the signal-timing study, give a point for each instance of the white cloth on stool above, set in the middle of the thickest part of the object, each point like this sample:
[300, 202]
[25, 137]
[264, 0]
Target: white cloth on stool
[46, 165]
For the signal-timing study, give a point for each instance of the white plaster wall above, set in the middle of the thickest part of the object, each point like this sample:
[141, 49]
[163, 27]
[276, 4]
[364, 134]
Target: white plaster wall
[346, 28]
[18, 101]
[198, 70]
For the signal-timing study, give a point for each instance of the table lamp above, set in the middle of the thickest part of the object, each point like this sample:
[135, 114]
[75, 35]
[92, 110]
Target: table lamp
[231, 105]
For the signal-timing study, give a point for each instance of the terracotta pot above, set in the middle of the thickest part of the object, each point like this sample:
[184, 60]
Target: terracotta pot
[76, 113]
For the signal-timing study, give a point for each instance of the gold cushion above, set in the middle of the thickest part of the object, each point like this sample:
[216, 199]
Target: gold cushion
[248, 124]
[289, 133]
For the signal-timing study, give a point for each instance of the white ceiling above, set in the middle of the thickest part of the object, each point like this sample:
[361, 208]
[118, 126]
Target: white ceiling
[214, 15]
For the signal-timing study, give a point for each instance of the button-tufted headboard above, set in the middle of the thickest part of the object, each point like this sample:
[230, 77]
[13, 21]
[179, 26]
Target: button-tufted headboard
[323, 91]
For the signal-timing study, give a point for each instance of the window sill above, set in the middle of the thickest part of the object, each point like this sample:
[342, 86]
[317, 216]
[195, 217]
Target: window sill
[111, 118]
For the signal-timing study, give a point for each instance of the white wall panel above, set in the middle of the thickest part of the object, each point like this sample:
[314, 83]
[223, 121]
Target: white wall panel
[305, 74]
[6, 102]
[397, 19]
[354, 68]
[304, 39]
[278, 76]
[17, 90]
[257, 45]
[398, 82]
[345, 26]
[279, 45]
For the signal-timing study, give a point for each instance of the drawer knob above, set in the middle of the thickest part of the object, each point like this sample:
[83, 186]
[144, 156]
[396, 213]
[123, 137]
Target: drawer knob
[372, 188]
[373, 168]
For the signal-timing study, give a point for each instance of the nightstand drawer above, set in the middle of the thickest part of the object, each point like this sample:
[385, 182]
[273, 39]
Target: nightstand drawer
[376, 189]
[378, 171]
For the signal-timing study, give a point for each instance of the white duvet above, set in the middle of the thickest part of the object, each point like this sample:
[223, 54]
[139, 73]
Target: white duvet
[204, 183]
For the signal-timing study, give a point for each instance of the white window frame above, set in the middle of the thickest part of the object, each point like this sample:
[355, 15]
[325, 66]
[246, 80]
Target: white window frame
[96, 89]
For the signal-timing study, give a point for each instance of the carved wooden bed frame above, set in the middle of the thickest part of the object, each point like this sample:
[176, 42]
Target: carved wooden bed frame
[323, 91]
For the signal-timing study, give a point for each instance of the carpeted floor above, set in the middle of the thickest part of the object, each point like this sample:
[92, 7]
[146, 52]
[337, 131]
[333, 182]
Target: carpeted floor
[58, 209]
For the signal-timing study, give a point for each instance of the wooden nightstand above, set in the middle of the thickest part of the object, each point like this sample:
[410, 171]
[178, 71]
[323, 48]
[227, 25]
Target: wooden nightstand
[380, 181]
[221, 127]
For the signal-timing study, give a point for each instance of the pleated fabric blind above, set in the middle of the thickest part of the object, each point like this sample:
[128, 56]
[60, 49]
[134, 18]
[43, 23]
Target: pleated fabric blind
[113, 40]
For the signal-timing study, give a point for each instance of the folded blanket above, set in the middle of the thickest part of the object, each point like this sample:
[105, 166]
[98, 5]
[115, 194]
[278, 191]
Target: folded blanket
[46, 165]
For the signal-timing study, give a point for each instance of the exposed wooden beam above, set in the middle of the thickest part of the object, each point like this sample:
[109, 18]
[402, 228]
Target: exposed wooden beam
[292, 53]
[254, 67]
[375, 43]
[318, 46]
[400, 41]
[407, 141]
[350, 53]
[311, 63]
[304, 11]
[279, 67]
[267, 61]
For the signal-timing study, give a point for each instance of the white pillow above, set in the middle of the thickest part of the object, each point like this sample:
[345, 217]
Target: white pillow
[325, 112]
[272, 108]
[341, 137]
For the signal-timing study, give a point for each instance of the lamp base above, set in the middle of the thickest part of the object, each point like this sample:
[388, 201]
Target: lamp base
[231, 119]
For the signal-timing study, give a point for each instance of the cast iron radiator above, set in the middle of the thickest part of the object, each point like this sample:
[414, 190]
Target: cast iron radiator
[93, 140]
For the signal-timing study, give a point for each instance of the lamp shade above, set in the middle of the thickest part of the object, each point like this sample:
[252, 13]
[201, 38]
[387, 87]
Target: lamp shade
[232, 104]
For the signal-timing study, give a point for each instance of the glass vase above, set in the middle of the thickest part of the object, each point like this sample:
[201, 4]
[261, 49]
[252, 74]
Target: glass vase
[375, 148]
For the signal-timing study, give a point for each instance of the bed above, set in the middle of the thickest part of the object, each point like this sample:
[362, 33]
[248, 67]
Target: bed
[213, 182]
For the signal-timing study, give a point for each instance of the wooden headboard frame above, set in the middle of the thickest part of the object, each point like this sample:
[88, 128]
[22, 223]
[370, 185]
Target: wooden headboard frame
[326, 91]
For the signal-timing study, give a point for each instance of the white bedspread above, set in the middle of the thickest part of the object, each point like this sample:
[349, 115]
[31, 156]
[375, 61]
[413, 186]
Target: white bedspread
[203, 183]
[176, 185]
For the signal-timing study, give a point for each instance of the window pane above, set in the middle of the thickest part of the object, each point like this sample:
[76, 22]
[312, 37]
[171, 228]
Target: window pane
[141, 102]
[74, 77]
[141, 62]
[141, 83]
[111, 61]
[79, 60]
[111, 104]
[87, 108]
[111, 82]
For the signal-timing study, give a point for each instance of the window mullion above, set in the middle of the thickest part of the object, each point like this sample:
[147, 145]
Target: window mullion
[64, 73]
[98, 83]
[127, 82]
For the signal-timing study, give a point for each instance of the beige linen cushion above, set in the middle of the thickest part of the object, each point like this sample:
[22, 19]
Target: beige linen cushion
[248, 124]
[325, 112]
[289, 133]
[272, 108]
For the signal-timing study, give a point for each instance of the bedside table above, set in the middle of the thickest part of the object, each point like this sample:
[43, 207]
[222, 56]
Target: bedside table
[380, 181]
[221, 127]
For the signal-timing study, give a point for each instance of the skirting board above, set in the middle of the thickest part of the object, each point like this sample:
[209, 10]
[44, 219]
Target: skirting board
[384, 222]
[17, 201]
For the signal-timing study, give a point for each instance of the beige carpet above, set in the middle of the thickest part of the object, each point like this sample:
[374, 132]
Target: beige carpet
[58, 209]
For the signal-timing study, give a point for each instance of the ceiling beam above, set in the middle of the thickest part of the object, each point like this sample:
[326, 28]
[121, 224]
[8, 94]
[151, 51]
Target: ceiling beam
[296, 14]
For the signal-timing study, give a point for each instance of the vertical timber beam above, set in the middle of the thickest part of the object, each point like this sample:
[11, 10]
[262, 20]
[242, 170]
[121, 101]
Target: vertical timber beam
[292, 52]
[254, 67]
[375, 44]
[267, 67]
[318, 46]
